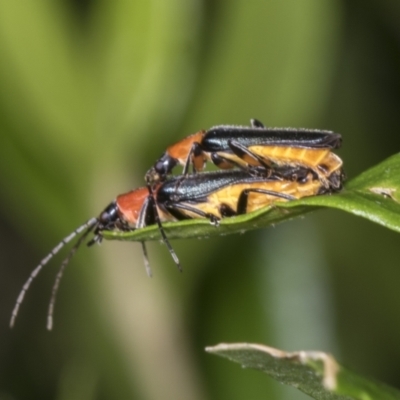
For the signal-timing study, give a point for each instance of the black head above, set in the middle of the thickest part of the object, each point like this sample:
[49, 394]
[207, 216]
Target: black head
[159, 171]
[107, 220]
[109, 216]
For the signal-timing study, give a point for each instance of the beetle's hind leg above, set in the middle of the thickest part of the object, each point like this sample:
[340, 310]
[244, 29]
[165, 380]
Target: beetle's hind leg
[244, 198]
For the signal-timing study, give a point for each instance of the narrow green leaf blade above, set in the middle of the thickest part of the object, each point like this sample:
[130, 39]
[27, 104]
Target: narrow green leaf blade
[312, 372]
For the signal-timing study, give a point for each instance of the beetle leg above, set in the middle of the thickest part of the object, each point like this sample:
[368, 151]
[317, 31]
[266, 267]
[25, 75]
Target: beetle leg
[296, 173]
[225, 163]
[214, 220]
[195, 154]
[244, 197]
[147, 213]
[242, 151]
[146, 260]
[144, 218]
[255, 123]
[226, 211]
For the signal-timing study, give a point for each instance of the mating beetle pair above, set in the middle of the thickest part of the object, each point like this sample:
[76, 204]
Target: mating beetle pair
[272, 165]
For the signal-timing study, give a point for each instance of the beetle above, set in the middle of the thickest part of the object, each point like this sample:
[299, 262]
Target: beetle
[229, 146]
[211, 195]
[218, 194]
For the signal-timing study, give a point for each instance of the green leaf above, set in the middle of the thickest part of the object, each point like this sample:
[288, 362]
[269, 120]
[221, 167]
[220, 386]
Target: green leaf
[312, 372]
[374, 195]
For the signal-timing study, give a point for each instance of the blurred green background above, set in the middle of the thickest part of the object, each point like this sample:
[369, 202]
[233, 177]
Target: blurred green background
[91, 93]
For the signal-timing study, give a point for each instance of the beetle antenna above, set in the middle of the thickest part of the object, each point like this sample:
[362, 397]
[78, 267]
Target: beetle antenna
[89, 224]
[60, 274]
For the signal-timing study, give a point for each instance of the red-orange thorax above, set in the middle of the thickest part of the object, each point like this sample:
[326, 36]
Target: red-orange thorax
[181, 149]
[130, 204]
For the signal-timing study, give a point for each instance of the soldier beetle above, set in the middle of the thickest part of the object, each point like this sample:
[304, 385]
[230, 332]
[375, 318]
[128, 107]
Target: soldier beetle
[210, 195]
[245, 147]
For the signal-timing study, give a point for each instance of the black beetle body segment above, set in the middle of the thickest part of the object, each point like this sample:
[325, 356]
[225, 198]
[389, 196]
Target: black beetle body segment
[196, 188]
[217, 138]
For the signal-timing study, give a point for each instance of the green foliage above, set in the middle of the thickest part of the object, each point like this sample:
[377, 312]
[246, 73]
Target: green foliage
[93, 92]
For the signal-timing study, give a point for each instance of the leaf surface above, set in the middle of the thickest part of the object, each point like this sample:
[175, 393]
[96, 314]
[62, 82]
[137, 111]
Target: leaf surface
[312, 372]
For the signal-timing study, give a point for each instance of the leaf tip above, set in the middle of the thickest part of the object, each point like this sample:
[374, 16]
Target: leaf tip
[330, 366]
[385, 192]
